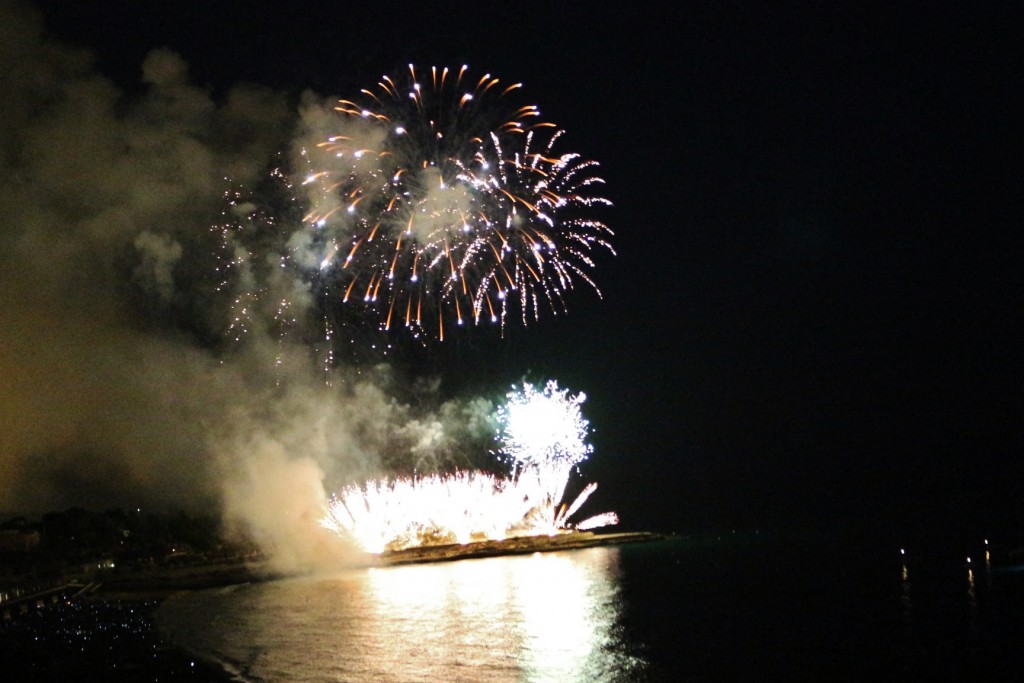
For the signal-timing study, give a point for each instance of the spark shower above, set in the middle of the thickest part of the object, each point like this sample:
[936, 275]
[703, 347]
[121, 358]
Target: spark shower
[431, 201]
[543, 440]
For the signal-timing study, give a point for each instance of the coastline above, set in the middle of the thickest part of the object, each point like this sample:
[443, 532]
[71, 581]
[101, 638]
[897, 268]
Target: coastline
[161, 583]
[519, 545]
[105, 630]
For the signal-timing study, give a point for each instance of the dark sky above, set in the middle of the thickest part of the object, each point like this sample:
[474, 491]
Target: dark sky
[812, 314]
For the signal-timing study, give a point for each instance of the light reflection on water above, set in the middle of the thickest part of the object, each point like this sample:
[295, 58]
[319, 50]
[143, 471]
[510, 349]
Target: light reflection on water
[550, 616]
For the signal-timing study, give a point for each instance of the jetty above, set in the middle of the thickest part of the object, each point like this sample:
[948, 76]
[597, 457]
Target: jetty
[517, 545]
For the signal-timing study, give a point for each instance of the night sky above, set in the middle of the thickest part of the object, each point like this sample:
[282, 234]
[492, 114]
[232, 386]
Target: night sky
[811, 318]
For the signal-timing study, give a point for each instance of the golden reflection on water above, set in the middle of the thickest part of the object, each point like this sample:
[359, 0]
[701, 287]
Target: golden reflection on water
[549, 616]
[542, 617]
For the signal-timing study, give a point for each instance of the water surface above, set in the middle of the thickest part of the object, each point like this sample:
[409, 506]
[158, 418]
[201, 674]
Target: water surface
[548, 616]
[729, 607]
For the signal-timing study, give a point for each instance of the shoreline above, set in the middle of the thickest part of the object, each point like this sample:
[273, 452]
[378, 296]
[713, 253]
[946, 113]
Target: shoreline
[105, 629]
[517, 545]
[161, 583]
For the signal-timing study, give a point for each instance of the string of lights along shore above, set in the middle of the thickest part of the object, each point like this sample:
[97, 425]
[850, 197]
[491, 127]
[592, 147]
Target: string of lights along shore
[434, 199]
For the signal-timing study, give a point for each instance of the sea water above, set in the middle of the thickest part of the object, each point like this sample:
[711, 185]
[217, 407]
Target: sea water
[718, 607]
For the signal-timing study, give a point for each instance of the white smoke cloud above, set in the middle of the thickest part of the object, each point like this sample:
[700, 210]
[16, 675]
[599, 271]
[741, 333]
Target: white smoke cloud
[279, 500]
[101, 405]
[158, 254]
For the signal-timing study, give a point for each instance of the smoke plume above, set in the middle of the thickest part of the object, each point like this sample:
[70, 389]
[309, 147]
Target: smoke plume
[118, 387]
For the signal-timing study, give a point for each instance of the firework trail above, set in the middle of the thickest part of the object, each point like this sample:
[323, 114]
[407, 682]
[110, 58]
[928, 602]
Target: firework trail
[441, 201]
[543, 435]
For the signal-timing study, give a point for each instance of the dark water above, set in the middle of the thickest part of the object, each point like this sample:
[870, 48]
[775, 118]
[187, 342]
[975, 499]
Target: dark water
[730, 607]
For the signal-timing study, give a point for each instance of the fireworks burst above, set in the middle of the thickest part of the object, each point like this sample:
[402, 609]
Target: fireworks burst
[441, 202]
[544, 431]
[543, 435]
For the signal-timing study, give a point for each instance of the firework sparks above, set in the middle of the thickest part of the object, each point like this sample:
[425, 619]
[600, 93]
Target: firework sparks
[271, 275]
[439, 203]
[453, 205]
[545, 431]
[467, 506]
